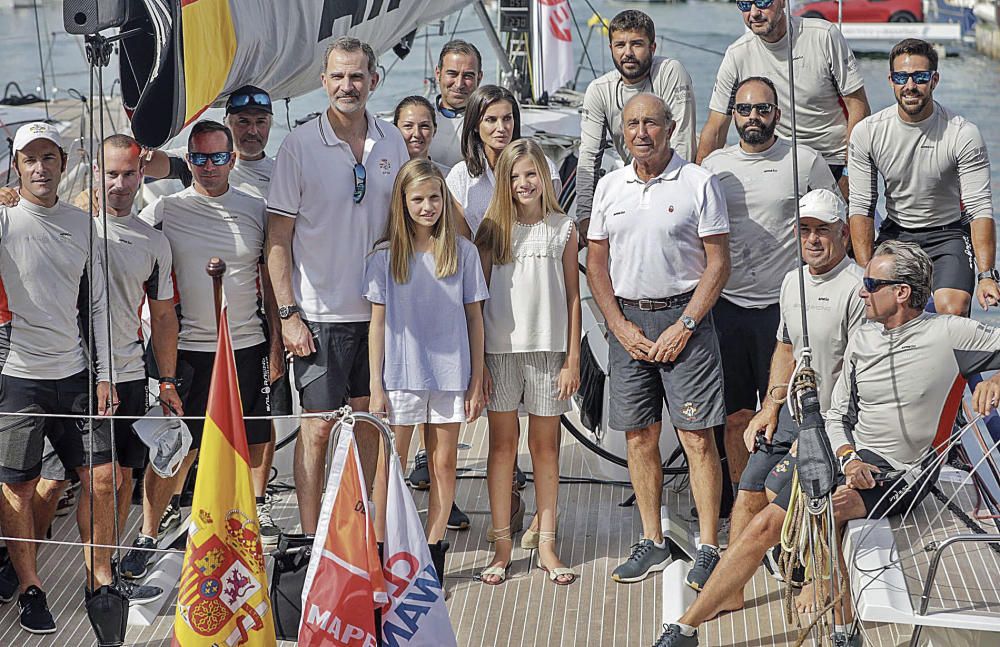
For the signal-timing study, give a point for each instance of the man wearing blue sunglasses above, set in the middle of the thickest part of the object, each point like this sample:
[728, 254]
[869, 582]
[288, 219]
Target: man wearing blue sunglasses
[829, 90]
[937, 183]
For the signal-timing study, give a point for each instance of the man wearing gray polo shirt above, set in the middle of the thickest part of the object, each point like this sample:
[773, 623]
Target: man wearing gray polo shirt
[756, 178]
[829, 90]
[329, 201]
[659, 257]
[633, 44]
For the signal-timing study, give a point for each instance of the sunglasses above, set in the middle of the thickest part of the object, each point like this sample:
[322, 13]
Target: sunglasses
[873, 285]
[923, 77]
[360, 183]
[746, 5]
[218, 159]
[763, 109]
[252, 99]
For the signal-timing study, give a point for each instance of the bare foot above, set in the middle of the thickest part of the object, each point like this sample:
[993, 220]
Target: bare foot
[734, 603]
[806, 601]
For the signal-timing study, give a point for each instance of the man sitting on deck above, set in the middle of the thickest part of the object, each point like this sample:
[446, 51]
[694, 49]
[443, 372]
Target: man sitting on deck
[903, 367]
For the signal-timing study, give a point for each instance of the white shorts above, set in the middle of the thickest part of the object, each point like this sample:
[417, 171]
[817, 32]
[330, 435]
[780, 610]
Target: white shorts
[418, 407]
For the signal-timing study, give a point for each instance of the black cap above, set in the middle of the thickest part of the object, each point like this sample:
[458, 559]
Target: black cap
[249, 97]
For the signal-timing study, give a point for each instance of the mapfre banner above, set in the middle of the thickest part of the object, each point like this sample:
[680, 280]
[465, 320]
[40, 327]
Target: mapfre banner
[344, 582]
[552, 54]
[417, 616]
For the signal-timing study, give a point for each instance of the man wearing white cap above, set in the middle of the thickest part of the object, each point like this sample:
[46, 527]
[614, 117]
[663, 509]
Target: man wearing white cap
[832, 282]
[44, 266]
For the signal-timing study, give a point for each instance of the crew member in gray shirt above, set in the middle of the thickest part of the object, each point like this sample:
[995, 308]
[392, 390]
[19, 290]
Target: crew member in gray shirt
[458, 73]
[633, 44]
[756, 178]
[937, 183]
[829, 90]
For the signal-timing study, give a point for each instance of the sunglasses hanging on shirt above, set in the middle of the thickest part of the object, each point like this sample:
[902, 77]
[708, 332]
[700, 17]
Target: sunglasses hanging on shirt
[360, 183]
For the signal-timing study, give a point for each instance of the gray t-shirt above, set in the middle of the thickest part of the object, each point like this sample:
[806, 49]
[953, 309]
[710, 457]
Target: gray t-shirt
[834, 311]
[900, 389]
[446, 146]
[825, 70]
[931, 168]
[139, 265]
[602, 119]
[44, 270]
[199, 227]
[252, 176]
[761, 206]
[426, 333]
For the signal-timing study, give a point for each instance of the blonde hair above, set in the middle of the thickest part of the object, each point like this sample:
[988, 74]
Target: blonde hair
[496, 232]
[399, 231]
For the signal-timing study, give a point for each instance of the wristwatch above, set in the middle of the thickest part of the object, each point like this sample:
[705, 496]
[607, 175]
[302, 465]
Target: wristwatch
[847, 457]
[171, 381]
[988, 274]
[287, 311]
[688, 322]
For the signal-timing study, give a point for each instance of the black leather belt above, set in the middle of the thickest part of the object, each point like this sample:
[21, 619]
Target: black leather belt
[651, 305]
[892, 225]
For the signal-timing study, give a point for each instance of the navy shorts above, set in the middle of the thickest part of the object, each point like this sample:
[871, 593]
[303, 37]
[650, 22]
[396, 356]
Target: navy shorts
[338, 370]
[746, 341]
[691, 385]
[758, 473]
[950, 249]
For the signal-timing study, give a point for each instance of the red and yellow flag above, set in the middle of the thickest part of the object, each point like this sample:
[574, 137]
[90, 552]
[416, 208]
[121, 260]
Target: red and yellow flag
[222, 599]
[209, 50]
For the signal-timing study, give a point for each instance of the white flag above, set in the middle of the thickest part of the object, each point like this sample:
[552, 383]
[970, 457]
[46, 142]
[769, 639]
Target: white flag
[417, 616]
[552, 55]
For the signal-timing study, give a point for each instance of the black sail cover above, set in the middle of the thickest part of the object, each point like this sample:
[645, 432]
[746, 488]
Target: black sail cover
[815, 462]
[191, 54]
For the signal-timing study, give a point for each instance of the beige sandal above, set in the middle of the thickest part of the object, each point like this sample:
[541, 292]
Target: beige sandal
[554, 574]
[499, 572]
[529, 540]
[516, 522]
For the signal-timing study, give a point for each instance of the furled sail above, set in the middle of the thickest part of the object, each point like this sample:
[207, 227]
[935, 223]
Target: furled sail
[191, 53]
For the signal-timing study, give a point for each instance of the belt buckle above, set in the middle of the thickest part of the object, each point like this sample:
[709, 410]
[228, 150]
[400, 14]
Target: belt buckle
[646, 305]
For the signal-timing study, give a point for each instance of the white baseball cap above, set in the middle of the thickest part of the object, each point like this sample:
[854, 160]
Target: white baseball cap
[823, 204]
[36, 130]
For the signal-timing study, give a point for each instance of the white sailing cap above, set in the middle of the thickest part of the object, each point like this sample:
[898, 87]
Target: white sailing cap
[36, 130]
[823, 204]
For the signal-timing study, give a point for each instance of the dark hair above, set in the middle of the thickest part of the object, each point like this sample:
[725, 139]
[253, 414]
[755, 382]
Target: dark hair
[414, 100]
[121, 141]
[351, 44]
[459, 46]
[914, 46]
[632, 20]
[472, 144]
[758, 79]
[209, 126]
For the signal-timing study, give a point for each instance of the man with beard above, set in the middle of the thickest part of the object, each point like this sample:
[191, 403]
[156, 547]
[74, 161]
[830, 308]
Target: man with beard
[829, 90]
[756, 177]
[937, 183]
[458, 73]
[632, 39]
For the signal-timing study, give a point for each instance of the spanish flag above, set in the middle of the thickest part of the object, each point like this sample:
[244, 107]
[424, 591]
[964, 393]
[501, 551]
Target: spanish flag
[209, 39]
[222, 598]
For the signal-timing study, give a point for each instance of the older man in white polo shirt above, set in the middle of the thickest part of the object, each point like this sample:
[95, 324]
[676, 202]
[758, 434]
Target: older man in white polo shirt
[658, 259]
[329, 199]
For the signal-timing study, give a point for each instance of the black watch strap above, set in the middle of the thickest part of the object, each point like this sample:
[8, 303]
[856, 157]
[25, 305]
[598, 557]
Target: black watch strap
[989, 274]
[168, 380]
[285, 312]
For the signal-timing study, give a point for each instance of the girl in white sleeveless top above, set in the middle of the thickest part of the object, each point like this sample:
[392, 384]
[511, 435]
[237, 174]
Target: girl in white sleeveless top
[532, 321]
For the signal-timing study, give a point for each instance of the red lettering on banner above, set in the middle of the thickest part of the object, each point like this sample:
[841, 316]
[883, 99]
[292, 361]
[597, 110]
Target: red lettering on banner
[559, 19]
[399, 579]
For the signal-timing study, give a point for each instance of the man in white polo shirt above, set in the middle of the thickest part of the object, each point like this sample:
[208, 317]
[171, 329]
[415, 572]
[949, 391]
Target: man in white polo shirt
[658, 259]
[829, 89]
[329, 201]
[756, 178]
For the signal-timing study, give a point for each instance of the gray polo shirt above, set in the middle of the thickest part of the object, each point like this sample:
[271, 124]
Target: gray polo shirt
[825, 70]
[602, 120]
[900, 389]
[834, 311]
[139, 266]
[931, 168]
[199, 227]
[44, 262]
[761, 206]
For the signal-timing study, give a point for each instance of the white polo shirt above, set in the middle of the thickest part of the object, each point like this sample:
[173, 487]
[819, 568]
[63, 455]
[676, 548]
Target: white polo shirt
[655, 228]
[313, 182]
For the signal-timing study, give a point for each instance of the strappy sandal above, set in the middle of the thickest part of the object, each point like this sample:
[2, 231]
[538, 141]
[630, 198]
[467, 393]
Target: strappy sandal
[499, 572]
[516, 522]
[529, 540]
[545, 537]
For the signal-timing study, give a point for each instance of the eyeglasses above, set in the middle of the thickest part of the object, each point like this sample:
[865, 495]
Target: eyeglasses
[746, 5]
[360, 183]
[260, 99]
[218, 159]
[873, 285]
[763, 109]
[923, 77]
